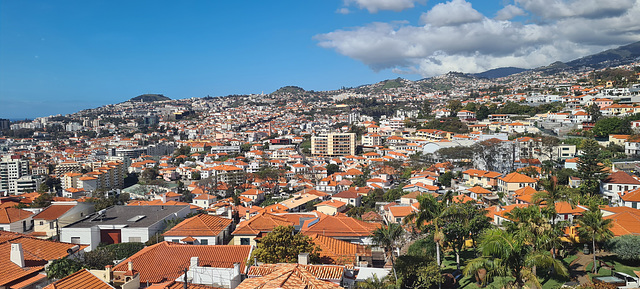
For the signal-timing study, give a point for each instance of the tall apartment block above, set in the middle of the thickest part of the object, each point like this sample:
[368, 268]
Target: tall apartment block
[333, 144]
[11, 169]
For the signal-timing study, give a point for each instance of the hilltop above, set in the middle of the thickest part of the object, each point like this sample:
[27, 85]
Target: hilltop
[149, 98]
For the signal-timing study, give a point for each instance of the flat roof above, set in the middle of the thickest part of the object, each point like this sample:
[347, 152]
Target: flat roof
[133, 217]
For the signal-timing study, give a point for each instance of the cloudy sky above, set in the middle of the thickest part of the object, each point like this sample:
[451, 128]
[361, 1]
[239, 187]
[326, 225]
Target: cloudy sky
[62, 56]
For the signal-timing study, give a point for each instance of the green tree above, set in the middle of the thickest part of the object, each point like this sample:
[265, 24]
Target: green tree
[445, 179]
[627, 247]
[611, 125]
[63, 267]
[42, 201]
[195, 176]
[98, 258]
[283, 246]
[594, 111]
[590, 170]
[505, 254]
[428, 218]
[593, 227]
[332, 168]
[388, 237]
[482, 113]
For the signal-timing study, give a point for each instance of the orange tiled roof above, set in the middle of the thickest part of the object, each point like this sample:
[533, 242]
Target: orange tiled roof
[53, 212]
[620, 177]
[479, 190]
[338, 226]
[179, 285]
[290, 276]
[517, 178]
[334, 251]
[10, 215]
[80, 279]
[200, 225]
[625, 223]
[263, 222]
[164, 261]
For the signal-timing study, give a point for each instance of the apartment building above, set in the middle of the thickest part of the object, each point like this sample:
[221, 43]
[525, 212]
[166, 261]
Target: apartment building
[333, 144]
[12, 169]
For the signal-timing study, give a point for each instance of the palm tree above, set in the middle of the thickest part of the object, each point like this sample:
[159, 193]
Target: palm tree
[387, 237]
[594, 228]
[552, 194]
[505, 254]
[430, 211]
[375, 283]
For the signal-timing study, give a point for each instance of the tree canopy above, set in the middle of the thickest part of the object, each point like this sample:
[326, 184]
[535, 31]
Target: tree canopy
[282, 245]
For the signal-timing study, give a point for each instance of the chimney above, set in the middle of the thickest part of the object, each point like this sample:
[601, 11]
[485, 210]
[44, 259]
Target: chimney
[303, 258]
[108, 273]
[130, 265]
[246, 215]
[236, 269]
[194, 262]
[17, 255]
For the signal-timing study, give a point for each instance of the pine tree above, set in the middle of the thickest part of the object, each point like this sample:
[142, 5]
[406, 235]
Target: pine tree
[590, 170]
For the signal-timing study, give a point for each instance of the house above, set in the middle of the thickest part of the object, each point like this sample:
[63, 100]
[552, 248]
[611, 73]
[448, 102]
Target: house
[121, 224]
[220, 265]
[350, 197]
[204, 200]
[340, 227]
[201, 229]
[568, 212]
[616, 184]
[626, 221]
[420, 187]
[478, 192]
[397, 213]
[15, 220]
[331, 207]
[48, 222]
[23, 258]
[485, 179]
[298, 203]
[254, 194]
[247, 231]
[630, 199]
[514, 181]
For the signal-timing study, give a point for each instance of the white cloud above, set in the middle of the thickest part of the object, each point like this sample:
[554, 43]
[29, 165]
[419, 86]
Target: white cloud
[454, 12]
[343, 10]
[555, 9]
[373, 6]
[508, 12]
[459, 44]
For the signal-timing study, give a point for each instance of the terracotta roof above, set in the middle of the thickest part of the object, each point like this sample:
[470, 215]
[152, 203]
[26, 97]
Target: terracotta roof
[262, 222]
[334, 251]
[200, 225]
[527, 190]
[625, 223]
[479, 190]
[290, 276]
[372, 216]
[348, 194]
[10, 215]
[401, 211]
[632, 196]
[53, 212]
[338, 226]
[517, 178]
[164, 261]
[332, 203]
[620, 177]
[79, 280]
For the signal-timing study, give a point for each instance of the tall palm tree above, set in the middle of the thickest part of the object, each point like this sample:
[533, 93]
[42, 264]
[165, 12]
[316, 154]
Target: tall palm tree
[595, 228]
[505, 254]
[388, 237]
[430, 211]
[552, 194]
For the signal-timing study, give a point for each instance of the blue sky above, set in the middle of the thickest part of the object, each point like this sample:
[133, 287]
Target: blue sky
[63, 56]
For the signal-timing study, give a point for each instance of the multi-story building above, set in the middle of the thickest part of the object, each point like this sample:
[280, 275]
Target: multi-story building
[333, 144]
[11, 169]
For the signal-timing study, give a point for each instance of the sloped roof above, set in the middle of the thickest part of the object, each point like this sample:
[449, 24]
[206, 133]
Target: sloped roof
[632, 196]
[479, 190]
[339, 225]
[292, 276]
[625, 223]
[334, 251]
[79, 280]
[263, 222]
[53, 212]
[164, 261]
[517, 178]
[179, 285]
[620, 177]
[200, 226]
[10, 215]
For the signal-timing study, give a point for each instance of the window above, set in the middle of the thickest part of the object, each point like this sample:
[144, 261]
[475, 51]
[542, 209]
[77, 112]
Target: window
[204, 242]
[75, 240]
[175, 240]
[135, 239]
[41, 223]
[244, 241]
[51, 227]
[610, 187]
